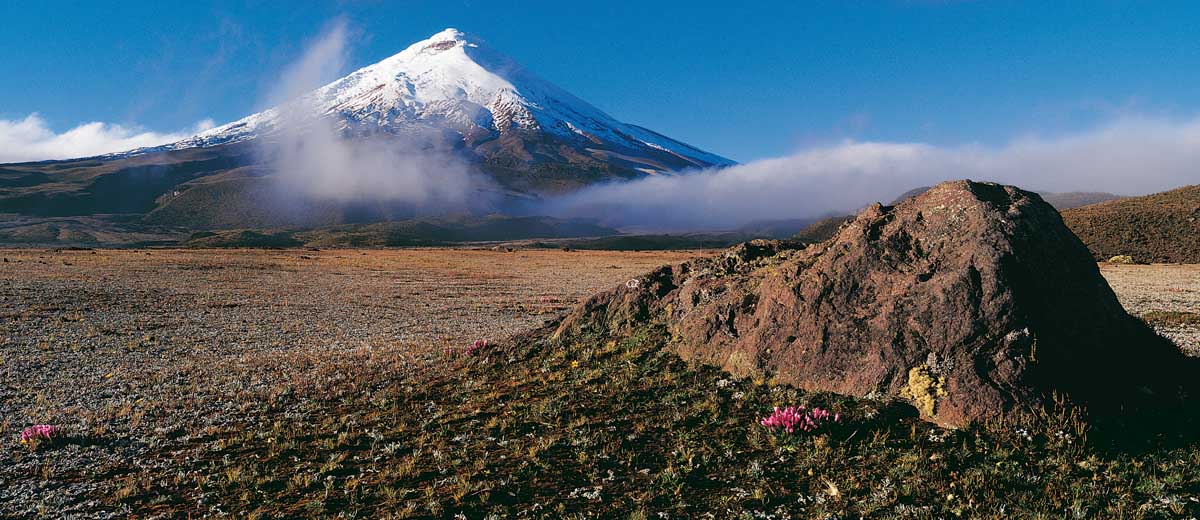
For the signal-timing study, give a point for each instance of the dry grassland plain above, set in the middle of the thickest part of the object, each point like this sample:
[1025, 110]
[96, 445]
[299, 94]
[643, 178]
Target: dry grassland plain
[144, 345]
[146, 348]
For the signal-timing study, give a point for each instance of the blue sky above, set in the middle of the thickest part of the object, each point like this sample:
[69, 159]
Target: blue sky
[749, 82]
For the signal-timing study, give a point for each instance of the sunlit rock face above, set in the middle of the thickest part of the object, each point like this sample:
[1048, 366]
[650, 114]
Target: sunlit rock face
[972, 301]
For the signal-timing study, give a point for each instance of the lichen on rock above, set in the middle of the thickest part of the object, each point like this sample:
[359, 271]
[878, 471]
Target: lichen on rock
[923, 389]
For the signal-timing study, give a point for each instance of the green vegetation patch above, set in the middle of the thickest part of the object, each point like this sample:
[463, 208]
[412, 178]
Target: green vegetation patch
[599, 428]
[1172, 319]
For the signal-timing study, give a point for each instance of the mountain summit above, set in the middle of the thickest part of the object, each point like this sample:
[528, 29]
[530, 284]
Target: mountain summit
[520, 137]
[492, 106]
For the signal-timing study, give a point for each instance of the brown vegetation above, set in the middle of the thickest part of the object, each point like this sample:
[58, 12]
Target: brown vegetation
[1163, 227]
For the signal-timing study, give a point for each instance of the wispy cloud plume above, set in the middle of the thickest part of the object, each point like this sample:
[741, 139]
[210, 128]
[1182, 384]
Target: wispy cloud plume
[323, 61]
[32, 139]
[1128, 156]
[318, 156]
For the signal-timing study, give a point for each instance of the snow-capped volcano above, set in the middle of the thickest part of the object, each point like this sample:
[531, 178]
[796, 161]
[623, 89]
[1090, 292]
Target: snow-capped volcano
[492, 106]
[447, 127]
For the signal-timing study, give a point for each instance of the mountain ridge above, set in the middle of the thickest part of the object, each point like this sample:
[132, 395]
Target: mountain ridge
[454, 80]
[450, 94]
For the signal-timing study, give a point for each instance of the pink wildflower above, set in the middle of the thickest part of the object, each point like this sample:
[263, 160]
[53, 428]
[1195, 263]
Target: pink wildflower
[478, 347]
[794, 418]
[473, 349]
[40, 433]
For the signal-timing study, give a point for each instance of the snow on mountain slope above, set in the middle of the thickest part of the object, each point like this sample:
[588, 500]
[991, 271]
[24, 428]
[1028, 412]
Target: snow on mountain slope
[454, 81]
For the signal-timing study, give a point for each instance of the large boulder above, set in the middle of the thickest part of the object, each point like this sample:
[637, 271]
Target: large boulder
[972, 301]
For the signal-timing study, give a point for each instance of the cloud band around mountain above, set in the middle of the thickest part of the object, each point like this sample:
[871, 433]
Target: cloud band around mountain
[1128, 156]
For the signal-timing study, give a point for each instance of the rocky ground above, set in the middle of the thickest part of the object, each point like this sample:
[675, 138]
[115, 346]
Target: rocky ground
[238, 383]
[142, 347]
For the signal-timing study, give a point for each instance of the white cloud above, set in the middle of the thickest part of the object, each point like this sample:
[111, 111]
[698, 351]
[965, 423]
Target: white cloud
[1128, 156]
[31, 139]
[323, 60]
[313, 159]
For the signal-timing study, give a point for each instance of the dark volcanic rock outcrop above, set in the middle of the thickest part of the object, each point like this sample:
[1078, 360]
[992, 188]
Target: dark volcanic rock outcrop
[971, 300]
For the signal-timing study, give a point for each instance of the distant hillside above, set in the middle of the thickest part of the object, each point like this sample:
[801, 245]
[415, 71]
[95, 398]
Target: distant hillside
[406, 233]
[782, 228]
[1163, 227]
[909, 194]
[1075, 199]
[658, 242]
[98, 186]
[128, 231]
[109, 231]
[821, 230]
